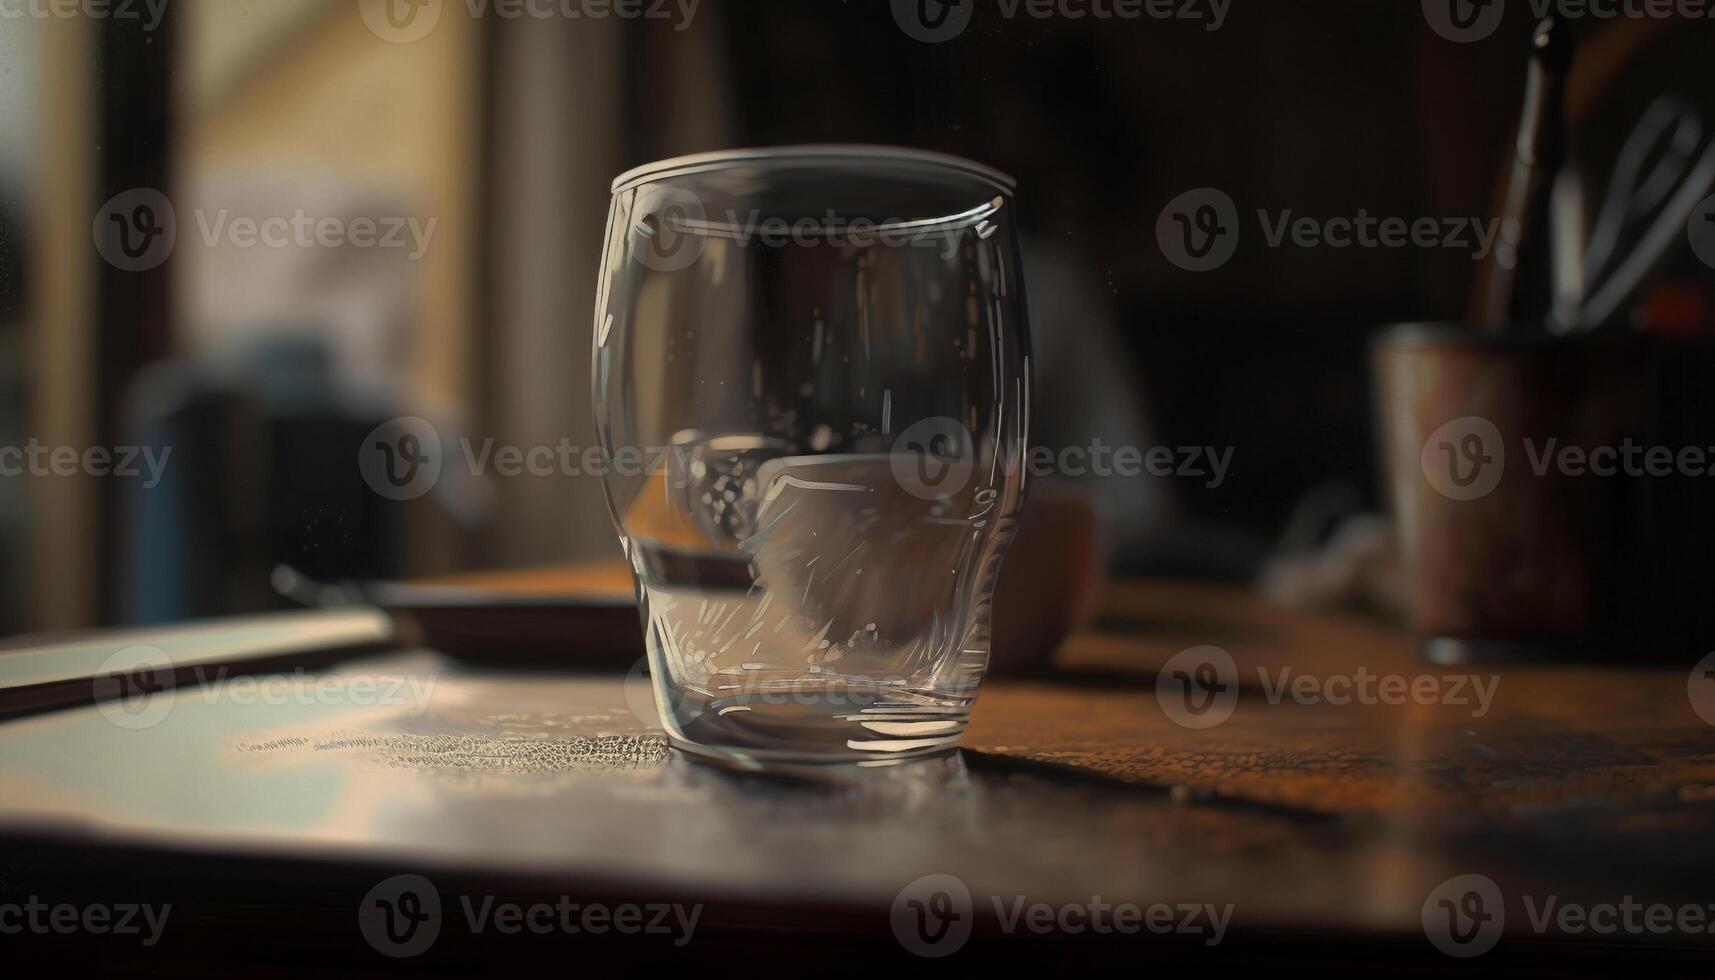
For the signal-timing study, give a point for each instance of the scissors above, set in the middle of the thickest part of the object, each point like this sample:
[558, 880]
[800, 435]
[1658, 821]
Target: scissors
[1671, 131]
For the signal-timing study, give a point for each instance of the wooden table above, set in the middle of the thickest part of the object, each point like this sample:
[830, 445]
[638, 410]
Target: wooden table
[1326, 827]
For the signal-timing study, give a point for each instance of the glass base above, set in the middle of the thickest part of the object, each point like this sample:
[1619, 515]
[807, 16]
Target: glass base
[813, 724]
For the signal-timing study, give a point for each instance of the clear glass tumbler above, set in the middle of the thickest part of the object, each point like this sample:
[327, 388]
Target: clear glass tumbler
[812, 378]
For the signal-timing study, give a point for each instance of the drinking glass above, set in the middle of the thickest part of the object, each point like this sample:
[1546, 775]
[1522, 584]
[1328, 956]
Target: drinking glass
[812, 381]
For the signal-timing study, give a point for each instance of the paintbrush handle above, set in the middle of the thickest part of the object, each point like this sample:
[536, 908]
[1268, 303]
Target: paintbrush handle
[1518, 283]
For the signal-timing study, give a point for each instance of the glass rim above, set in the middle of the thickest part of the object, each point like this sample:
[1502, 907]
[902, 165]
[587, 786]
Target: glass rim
[696, 163]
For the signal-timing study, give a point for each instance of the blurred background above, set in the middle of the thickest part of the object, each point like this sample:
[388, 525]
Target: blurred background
[140, 154]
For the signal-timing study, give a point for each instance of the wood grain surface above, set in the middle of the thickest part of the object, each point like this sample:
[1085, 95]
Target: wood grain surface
[1313, 814]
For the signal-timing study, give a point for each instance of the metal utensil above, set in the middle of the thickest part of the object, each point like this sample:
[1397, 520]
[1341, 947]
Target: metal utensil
[1660, 201]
